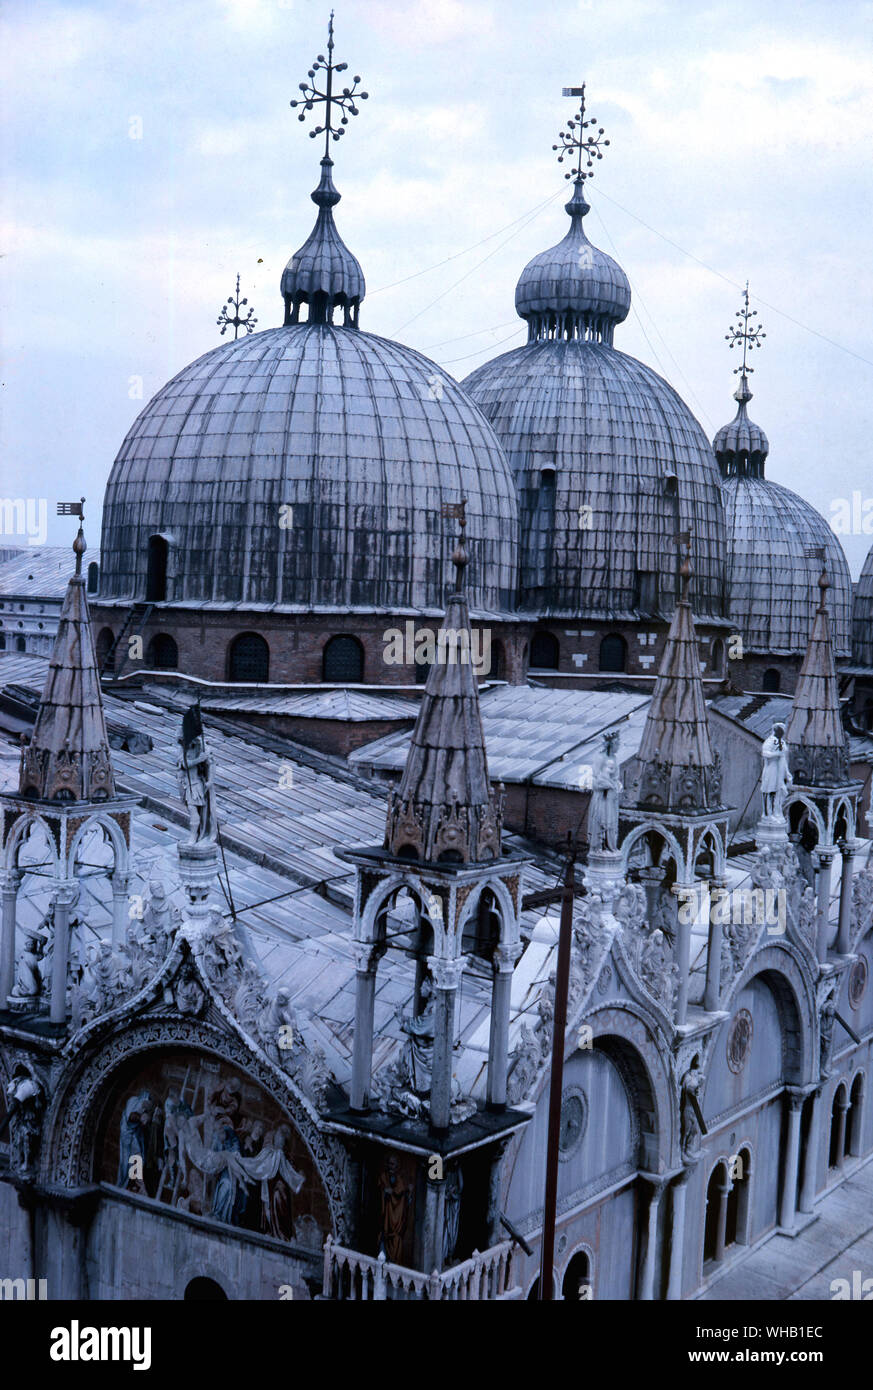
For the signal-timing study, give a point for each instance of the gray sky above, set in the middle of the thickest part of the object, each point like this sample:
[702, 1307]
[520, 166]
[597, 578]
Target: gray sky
[740, 132]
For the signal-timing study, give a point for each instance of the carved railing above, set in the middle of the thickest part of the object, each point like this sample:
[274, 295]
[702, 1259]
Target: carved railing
[350, 1276]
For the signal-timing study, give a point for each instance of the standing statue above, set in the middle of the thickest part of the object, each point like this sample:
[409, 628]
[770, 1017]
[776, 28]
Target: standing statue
[25, 1098]
[29, 982]
[605, 791]
[195, 779]
[691, 1116]
[396, 1196]
[418, 1054]
[775, 778]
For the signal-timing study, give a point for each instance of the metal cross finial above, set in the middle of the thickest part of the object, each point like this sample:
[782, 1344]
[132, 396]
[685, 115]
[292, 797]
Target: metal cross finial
[682, 540]
[236, 322]
[575, 143]
[749, 334]
[458, 511]
[344, 103]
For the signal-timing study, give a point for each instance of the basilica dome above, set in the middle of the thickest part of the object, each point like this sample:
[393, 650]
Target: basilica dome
[608, 460]
[775, 541]
[862, 615]
[305, 467]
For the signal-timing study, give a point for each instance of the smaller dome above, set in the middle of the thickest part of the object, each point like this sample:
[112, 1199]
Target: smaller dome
[862, 641]
[573, 290]
[323, 273]
[742, 446]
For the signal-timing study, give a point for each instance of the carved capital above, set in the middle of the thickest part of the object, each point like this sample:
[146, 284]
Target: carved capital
[446, 973]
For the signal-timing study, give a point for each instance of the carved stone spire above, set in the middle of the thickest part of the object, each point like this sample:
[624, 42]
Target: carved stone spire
[680, 772]
[444, 809]
[67, 758]
[818, 747]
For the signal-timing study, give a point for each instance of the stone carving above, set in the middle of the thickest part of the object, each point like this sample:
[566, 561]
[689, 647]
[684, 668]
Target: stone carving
[739, 1040]
[828, 1019]
[862, 898]
[775, 776]
[29, 983]
[857, 981]
[195, 780]
[603, 806]
[25, 1101]
[690, 1114]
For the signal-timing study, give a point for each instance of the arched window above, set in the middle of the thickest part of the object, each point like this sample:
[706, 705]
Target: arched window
[737, 1217]
[544, 652]
[482, 928]
[93, 577]
[156, 574]
[103, 645]
[839, 1108]
[713, 1236]
[248, 659]
[2, 641]
[498, 662]
[343, 660]
[163, 654]
[203, 1288]
[854, 1118]
[613, 653]
[20, 644]
[422, 669]
[717, 657]
[577, 1279]
[771, 680]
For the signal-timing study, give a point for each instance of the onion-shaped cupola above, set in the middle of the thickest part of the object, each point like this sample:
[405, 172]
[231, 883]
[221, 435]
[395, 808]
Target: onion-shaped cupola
[573, 290]
[323, 274]
[772, 532]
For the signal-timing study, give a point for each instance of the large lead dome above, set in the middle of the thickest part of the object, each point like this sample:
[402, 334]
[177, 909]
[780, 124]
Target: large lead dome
[609, 462]
[306, 466]
[776, 539]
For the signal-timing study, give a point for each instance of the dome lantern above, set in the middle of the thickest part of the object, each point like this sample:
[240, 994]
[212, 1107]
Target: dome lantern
[324, 274]
[742, 446]
[574, 290]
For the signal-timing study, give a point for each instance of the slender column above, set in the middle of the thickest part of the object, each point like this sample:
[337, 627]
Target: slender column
[826, 858]
[682, 957]
[842, 1108]
[677, 1238]
[809, 1171]
[446, 977]
[647, 1272]
[845, 927]
[10, 881]
[712, 991]
[362, 1050]
[788, 1200]
[498, 1044]
[723, 1190]
[64, 897]
[434, 1217]
[120, 907]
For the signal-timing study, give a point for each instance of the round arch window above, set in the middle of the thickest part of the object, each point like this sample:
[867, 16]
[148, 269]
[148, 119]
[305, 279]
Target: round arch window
[248, 659]
[613, 653]
[771, 680]
[343, 661]
[544, 652]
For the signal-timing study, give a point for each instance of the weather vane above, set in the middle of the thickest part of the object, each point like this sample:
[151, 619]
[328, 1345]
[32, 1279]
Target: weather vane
[575, 143]
[237, 322]
[344, 103]
[747, 333]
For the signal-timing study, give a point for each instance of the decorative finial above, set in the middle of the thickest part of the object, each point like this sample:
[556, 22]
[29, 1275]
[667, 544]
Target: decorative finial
[225, 321]
[79, 546]
[750, 335]
[344, 103]
[575, 143]
[683, 541]
[458, 510]
[817, 552]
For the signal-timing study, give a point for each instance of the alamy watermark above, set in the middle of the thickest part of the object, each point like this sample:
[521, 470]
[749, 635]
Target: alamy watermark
[25, 516]
[746, 907]
[446, 647]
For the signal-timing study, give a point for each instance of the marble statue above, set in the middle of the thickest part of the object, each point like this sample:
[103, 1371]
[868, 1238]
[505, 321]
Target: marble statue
[25, 1099]
[29, 982]
[196, 789]
[418, 1054]
[603, 807]
[691, 1120]
[775, 777]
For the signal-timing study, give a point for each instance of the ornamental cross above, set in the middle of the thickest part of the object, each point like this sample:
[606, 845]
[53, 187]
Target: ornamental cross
[344, 103]
[236, 322]
[575, 143]
[745, 332]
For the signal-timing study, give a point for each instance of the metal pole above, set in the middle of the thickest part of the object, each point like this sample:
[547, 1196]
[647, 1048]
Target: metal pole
[562, 982]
